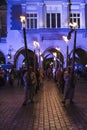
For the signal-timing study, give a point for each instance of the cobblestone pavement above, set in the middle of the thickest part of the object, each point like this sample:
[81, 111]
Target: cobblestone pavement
[47, 111]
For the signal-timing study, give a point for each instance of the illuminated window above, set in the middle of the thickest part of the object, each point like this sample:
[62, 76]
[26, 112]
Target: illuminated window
[75, 17]
[32, 20]
[53, 20]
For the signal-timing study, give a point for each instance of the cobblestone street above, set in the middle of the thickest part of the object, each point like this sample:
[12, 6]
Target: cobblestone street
[47, 111]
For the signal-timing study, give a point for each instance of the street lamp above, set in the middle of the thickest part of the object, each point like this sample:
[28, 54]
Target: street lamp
[23, 21]
[41, 64]
[73, 26]
[67, 49]
[54, 65]
[9, 54]
[36, 44]
[58, 49]
[73, 29]
[55, 62]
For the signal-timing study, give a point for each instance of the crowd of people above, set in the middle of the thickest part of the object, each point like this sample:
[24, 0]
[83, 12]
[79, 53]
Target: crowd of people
[2, 77]
[6, 77]
[66, 81]
[32, 81]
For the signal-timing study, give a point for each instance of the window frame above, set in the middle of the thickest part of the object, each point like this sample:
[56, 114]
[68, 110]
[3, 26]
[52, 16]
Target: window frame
[57, 16]
[75, 17]
[31, 19]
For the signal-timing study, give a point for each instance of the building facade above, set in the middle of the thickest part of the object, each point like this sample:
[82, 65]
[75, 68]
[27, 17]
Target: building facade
[47, 21]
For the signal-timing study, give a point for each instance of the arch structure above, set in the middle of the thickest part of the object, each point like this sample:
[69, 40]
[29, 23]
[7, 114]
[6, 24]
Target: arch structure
[80, 56]
[49, 56]
[20, 58]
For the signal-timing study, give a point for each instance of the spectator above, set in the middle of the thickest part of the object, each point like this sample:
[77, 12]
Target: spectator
[33, 84]
[38, 81]
[69, 86]
[30, 83]
[27, 85]
[59, 79]
[11, 78]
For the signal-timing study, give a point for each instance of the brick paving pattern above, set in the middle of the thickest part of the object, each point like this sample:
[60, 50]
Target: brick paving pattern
[47, 111]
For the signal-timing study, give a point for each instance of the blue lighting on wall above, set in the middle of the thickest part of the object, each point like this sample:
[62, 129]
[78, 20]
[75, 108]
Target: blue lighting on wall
[15, 17]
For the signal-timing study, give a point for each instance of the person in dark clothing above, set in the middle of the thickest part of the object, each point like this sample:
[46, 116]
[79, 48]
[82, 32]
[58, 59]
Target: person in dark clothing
[30, 83]
[69, 86]
[11, 78]
[38, 81]
[26, 87]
